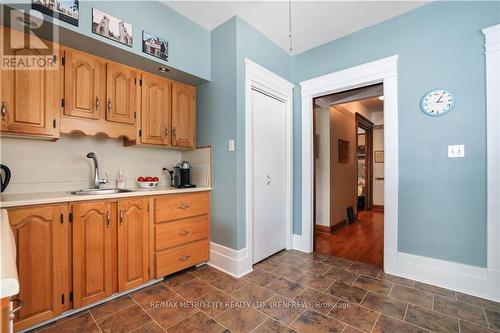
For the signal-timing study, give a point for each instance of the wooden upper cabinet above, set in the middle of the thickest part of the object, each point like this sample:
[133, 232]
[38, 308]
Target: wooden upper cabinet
[155, 110]
[83, 83]
[120, 90]
[183, 115]
[29, 98]
[42, 246]
[93, 225]
[133, 243]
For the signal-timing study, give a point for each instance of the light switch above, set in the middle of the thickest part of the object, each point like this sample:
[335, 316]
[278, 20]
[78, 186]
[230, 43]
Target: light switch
[231, 145]
[455, 151]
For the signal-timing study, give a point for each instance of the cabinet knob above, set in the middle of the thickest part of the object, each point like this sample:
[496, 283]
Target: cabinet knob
[97, 103]
[4, 109]
[183, 233]
[174, 132]
[184, 206]
[121, 217]
[166, 131]
[109, 105]
[184, 258]
[108, 220]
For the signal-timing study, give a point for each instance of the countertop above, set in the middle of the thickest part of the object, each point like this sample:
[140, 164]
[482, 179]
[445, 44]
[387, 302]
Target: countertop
[27, 199]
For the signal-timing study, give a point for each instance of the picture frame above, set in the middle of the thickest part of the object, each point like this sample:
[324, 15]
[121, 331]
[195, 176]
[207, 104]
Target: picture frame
[343, 151]
[154, 45]
[379, 156]
[64, 10]
[112, 27]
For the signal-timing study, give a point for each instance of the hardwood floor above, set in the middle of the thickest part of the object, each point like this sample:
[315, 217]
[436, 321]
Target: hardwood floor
[361, 241]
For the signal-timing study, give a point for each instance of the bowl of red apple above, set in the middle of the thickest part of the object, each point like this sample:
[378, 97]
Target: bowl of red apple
[148, 182]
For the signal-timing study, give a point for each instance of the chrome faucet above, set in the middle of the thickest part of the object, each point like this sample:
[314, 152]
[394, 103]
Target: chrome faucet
[97, 180]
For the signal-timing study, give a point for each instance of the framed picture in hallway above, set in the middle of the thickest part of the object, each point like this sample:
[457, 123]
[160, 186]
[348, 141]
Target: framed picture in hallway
[379, 156]
[111, 27]
[64, 10]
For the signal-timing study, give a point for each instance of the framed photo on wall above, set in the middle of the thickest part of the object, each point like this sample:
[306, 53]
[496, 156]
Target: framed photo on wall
[379, 156]
[154, 45]
[111, 27]
[64, 10]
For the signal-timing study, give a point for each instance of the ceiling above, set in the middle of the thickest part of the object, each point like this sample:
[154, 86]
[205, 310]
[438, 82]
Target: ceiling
[313, 22]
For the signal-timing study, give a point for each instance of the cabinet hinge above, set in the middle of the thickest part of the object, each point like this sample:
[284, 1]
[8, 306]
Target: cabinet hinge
[62, 102]
[54, 58]
[71, 296]
[63, 61]
[71, 217]
[140, 82]
[135, 81]
[140, 132]
[54, 123]
[135, 115]
[62, 299]
[61, 218]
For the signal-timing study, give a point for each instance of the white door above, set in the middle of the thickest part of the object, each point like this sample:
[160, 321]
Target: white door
[269, 175]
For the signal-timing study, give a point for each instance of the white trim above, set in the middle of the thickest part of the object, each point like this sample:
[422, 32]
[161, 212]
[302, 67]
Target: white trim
[264, 80]
[88, 306]
[232, 262]
[492, 52]
[463, 278]
[385, 71]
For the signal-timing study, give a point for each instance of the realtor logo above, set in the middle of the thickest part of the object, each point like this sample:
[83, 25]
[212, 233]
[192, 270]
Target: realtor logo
[31, 42]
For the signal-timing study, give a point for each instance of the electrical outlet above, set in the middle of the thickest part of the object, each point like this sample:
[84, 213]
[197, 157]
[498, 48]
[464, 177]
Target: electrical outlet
[456, 151]
[164, 171]
[231, 145]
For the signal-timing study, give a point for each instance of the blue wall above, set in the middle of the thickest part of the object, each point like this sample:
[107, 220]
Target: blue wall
[189, 43]
[216, 124]
[442, 202]
[221, 116]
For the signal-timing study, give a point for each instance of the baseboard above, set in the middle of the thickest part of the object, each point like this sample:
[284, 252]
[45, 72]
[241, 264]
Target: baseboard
[233, 262]
[477, 281]
[300, 243]
[378, 207]
[324, 229]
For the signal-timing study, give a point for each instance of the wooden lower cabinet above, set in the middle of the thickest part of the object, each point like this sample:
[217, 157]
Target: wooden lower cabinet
[133, 243]
[42, 237]
[72, 255]
[181, 231]
[93, 224]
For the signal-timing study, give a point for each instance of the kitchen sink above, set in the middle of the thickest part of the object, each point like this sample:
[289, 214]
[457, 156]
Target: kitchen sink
[97, 191]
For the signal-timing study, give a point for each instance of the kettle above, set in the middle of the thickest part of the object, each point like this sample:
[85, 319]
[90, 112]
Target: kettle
[5, 177]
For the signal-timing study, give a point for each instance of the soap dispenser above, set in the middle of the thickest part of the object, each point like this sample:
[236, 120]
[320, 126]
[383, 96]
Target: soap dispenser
[120, 180]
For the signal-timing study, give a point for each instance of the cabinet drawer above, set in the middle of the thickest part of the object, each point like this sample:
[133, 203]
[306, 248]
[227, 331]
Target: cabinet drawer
[179, 206]
[180, 257]
[179, 232]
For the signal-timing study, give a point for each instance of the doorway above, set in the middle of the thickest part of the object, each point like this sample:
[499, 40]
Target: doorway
[345, 223]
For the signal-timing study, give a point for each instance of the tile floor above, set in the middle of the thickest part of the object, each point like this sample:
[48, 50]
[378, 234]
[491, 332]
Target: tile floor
[289, 292]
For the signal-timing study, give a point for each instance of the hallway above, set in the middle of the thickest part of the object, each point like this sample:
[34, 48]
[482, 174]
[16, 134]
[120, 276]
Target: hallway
[361, 241]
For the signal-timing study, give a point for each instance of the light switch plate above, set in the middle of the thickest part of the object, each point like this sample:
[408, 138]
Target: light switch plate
[456, 151]
[231, 145]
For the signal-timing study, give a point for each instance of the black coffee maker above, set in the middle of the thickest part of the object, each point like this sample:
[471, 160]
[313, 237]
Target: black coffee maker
[182, 175]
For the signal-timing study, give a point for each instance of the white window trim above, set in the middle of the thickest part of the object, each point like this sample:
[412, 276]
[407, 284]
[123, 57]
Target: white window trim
[379, 71]
[260, 78]
[492, 54]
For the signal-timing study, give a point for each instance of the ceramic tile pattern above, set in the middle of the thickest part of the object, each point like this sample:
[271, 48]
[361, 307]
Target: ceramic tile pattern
[289, 292]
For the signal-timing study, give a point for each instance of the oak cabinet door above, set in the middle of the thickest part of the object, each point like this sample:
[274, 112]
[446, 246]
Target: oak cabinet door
[183, 115]
[93, 225]
[155, 110]
[83, 81]
[29, 98]
[133, 243]
[42, 246]
[120, 93]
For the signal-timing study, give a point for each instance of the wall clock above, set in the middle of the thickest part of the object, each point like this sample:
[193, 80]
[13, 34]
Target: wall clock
[437, 102]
